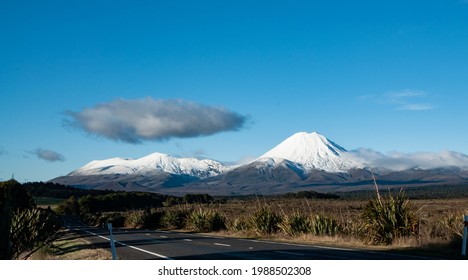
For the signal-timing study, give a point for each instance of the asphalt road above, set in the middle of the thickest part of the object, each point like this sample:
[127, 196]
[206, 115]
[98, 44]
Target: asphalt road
[134, 244]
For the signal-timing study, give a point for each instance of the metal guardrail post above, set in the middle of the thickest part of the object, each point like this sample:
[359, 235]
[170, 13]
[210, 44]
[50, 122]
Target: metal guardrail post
[465, 235]
[112, 243]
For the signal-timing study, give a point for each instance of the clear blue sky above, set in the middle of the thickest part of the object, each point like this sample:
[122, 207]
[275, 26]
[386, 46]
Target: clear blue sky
[385, 75]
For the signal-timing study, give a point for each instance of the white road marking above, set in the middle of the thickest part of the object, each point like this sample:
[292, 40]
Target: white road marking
[133, 247]
[145, 251]
[188, 240]
[255, 241]
[148, 234]
[221, 244]
[163, 236]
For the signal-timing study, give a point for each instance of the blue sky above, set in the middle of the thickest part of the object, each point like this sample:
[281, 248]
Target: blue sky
[384, 75]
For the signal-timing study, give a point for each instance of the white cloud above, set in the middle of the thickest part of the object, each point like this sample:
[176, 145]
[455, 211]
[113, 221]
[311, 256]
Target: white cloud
[409, 100]
[134, 121]
[416, 107]
[403, 161]
[404, 100]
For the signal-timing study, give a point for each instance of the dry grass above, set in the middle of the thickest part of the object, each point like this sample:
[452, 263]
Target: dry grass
[70, 247]
[440, 219]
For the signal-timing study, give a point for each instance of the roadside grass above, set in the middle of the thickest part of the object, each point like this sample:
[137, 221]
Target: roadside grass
[46, 202]
[436, 226]
[339, 222]
[69, 246]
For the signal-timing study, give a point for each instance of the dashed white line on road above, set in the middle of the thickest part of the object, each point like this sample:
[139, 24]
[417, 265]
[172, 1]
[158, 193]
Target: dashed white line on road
[188, 240]
[221, 244]
[163, 236]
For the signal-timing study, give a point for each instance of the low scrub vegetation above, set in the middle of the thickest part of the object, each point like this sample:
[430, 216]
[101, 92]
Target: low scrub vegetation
[388, 218]
[207, 220]
[382, 220]
[265, 221]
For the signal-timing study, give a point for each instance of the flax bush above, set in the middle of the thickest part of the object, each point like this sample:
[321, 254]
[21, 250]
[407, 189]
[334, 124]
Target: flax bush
[322, 224]
[387, 218]
[207, 220]
[265, 221]
[295, 224]
[175, 219]
[239, 224]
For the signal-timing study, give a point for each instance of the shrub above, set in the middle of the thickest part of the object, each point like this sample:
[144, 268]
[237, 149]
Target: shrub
[134, 219]
[175, 219]
[30, 228]
[448, 227]
[239, 224]
[323, 225]
[144, 219]
[116, 219]
[207, 220]
[388, 218]
[295, 224]
[265, 221]
[23, 226]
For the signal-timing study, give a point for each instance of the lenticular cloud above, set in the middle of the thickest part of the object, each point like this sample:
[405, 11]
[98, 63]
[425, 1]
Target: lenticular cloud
[134, 121]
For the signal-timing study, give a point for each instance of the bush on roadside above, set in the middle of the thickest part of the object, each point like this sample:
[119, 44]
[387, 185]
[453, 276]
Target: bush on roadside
[207, 220]
[389, 217]
[149, 219]
[265, 221]
[239, 224]
[175, 219]
[322, 224]
[295, 224]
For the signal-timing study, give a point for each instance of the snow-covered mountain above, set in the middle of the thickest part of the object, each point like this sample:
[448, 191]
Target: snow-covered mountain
[312, 151]
[155, 162]
[302, 161]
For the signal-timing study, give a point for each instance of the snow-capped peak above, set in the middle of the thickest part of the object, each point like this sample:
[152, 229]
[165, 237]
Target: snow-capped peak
[151, 163]
[312, 151]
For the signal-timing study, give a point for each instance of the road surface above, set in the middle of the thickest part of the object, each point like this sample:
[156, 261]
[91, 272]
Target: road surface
[136, 244]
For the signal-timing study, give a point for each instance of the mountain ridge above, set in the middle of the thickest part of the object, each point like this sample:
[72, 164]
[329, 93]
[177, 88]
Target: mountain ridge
[303, 161]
